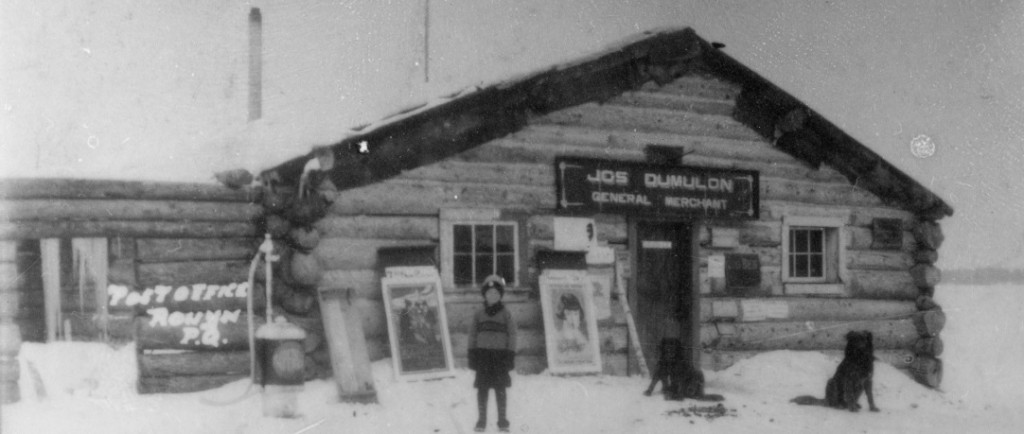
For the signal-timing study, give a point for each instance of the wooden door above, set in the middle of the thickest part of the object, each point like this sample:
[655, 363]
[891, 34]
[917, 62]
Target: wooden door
[662, 296]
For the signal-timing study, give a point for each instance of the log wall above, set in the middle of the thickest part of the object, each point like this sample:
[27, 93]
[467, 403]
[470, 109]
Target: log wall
[516, 174]
[177, 263]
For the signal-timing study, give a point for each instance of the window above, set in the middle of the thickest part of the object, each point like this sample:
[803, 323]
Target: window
[480, 250]
[476, 244]
[62, 286]
[813, 255]
[807, 253]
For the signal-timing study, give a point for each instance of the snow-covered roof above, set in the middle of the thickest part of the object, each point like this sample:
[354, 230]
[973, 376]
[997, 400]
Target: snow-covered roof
[433, 131]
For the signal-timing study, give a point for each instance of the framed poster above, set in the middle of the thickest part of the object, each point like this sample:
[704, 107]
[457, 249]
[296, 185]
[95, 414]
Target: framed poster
[570, 322]
[417, 327]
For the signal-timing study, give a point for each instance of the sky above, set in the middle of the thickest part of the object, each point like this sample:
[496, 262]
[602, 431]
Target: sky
[157, 90]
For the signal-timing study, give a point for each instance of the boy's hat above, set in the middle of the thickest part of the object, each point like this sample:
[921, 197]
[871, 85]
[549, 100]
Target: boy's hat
[493, 281]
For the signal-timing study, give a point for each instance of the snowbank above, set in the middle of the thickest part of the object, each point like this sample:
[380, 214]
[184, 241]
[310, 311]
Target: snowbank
[89, 388]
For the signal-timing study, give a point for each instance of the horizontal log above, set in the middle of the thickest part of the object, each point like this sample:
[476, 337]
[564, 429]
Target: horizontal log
[862, 238]
[717, 360]
[611, 228]
[930, 346]
[193, 272]
[926, 256]
[526, 314]
[805, 335]
[925, 275]
[815, 192]
[673, 101]
[185, 384]
[84, 327]
[196, 331]
[124, 228]
[929, 235]
[881, 284]
[191, 363]
[378, 227]
[878, 260]
[698, 86]
[528, 341]
[195, 249]
[618, 145]
[929, 323]
[860, 216]
[927, 371]
[144, 210]
[803, 309]
[525, 363]
[620, 117]
[355, 253]
[421, 197]
[365, 282]
[104, 189]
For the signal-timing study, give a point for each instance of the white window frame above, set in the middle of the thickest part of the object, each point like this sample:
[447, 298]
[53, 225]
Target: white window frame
[451, 217]
[834, 263]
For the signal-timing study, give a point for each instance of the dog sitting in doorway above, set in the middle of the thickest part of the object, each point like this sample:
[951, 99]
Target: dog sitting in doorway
[679, 379]
[852, 378]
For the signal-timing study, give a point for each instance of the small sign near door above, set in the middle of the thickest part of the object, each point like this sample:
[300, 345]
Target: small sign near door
[654, 244]
[742, 273]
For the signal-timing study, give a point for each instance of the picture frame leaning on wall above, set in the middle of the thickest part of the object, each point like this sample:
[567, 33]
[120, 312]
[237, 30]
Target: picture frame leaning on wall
[417, 327]
[570, 322]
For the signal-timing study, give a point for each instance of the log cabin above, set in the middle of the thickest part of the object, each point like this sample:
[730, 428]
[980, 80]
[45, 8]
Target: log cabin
[741, 221]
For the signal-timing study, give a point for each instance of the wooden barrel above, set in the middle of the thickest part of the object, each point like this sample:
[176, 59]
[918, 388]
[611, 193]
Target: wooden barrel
[927, 371]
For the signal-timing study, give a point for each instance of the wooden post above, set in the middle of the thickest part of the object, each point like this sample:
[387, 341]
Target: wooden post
[50, 251]
[347, 344]
[10, 334]
[620, 284]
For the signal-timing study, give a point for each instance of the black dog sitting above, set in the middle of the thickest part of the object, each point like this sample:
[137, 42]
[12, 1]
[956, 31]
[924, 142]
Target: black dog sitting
[679, 379]
[853, 376]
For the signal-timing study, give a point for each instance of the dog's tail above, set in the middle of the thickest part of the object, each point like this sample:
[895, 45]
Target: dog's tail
[808, 400]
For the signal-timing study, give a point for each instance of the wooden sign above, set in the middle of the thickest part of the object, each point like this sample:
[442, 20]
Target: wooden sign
[587, 185]
[742, 273]
[886, 234]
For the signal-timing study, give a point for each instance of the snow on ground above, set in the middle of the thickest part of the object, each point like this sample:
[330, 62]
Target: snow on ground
[89, 389]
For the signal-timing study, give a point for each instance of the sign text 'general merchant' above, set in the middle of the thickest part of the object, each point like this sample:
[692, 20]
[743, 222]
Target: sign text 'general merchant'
[606, 186]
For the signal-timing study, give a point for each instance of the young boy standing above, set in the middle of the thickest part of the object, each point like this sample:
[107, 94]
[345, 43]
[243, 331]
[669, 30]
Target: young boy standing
[492, 350]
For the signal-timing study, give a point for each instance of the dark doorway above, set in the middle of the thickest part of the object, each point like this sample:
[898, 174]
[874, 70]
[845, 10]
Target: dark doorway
[663, 297]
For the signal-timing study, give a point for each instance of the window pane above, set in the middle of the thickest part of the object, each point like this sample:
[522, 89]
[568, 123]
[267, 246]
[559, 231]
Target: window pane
[817, 241]
[816, 266]
[484, 267]
[799, 241]
[463, 242]
[506, 268]
[801, 266]
[463, 270]
[484, 239]
[504, 239]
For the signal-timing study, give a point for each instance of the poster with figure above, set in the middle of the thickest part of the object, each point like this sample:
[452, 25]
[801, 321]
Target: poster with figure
[417, 327]
[570, 322]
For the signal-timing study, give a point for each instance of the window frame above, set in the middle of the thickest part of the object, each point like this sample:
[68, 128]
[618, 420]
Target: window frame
[449, 218]
[834, 242]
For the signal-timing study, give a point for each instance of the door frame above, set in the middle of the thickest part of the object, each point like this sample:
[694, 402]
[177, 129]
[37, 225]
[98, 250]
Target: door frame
[690, 332]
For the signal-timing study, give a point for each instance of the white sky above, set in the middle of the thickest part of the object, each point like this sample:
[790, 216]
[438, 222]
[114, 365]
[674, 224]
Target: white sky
[157, 90]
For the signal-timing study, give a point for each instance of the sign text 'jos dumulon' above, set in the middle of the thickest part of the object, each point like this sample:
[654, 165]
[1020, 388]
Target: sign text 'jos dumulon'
[606, 186]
